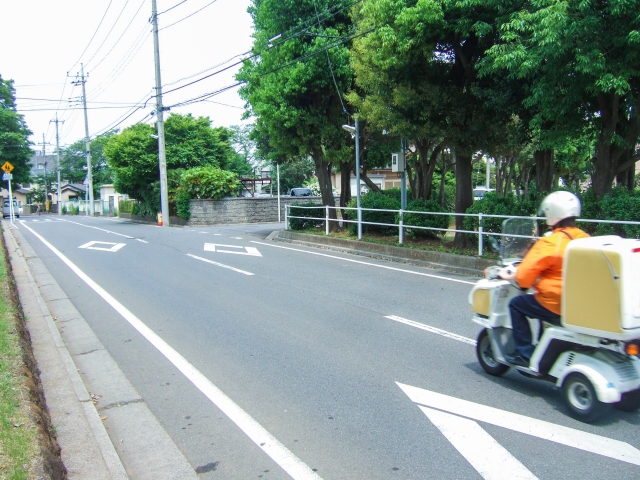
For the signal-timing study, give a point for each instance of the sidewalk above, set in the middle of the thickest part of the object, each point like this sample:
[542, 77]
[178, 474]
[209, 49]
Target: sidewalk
[104, 428]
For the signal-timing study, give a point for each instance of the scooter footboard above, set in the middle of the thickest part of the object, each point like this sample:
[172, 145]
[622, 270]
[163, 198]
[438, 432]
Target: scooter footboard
[610, 373]
[501, 342]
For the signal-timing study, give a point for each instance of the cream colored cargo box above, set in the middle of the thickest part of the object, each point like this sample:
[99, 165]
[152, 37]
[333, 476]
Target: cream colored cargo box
[601, 294]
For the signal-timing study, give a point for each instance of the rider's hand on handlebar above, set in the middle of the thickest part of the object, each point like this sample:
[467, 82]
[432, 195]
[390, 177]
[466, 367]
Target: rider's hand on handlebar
[507, 273]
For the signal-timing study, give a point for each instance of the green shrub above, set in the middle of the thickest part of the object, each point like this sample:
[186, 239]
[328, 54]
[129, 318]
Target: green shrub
[304, 223]
[126, 206]
[209, 182]
[75, 210]
[376, 201]
[115, 212]
[183, 203]
[492, 204]
[621, 204]
[421, 220]
[64, 209]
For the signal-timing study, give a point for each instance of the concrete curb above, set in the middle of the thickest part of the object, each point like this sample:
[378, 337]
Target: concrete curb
[425, 258]
[120, 429]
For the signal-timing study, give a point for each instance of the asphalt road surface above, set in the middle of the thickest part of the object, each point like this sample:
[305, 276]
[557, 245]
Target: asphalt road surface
[279, 361]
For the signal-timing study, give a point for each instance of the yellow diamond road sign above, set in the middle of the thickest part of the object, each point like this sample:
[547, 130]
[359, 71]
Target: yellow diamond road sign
[7, 167]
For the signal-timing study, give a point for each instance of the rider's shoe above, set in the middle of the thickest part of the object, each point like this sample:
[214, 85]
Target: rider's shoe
[517, 360]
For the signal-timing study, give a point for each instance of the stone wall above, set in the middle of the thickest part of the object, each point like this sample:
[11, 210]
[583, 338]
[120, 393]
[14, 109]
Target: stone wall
[242, 210]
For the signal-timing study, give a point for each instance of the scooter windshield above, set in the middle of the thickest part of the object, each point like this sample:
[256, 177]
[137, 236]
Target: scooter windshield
[519, 236]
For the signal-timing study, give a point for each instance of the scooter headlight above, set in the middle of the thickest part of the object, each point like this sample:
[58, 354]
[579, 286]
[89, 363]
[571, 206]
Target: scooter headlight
[632, 349]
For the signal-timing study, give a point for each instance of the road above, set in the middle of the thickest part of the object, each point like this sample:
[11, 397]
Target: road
[350, 367]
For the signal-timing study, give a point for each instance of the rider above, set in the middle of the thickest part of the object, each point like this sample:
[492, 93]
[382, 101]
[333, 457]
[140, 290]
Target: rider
[542, 269]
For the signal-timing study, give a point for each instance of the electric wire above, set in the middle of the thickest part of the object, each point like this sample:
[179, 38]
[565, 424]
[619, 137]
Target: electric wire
[207, 69]
[190, 15]
[171, 8]
[109, 33]
[93, 36]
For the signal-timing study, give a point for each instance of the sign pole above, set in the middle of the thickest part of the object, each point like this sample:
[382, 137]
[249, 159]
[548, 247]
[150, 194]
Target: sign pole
[10, 198]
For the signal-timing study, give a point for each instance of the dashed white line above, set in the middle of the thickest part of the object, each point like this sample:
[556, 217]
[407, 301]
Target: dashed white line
[429, 328]
[140, 240]
[367, 263]
[286, 459]
[101, 229]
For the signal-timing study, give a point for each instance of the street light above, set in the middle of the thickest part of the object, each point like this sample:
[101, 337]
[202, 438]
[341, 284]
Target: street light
[356, 131]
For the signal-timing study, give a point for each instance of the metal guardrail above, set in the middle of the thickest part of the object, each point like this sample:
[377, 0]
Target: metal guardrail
[401, 226]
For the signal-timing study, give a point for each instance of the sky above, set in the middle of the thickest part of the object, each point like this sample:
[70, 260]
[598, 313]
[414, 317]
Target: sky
[45, 42]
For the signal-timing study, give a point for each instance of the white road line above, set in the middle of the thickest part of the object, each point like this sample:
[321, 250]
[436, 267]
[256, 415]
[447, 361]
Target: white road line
[140, 240]
[291, 464]
[491, 460]
[570, 437]
[431, 329]
[220, 264]
[101, 229]
[367, 263]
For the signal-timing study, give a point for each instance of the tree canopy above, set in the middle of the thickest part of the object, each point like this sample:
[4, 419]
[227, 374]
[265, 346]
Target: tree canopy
[73, 162]
[14, 135]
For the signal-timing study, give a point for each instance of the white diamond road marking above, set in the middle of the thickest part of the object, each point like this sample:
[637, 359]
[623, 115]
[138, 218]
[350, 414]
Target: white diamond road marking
[214, 247]
[113, 248]
[589, 442]
[229, 267]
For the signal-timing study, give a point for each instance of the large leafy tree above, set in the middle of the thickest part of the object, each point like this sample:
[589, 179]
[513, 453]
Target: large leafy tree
[581, 62]
[190, 142]
[294, 87]
[14, 135]
[73, 162]
[417, 65]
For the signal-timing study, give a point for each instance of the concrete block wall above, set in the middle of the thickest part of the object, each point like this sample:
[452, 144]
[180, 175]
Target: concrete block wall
[242, 210]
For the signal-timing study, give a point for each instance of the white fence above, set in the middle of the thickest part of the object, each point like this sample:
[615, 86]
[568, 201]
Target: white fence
[99, 206]
[401, 226]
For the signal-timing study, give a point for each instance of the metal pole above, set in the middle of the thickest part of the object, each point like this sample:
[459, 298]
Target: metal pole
[480, 239]
[89, 194]
[44, 158]
[358, 179]
[286, 220]
[488, 173]
[403, 178]
[11, 212]
[164, 196]
[58, 162]
[278, 175]
[326, 220]
[401, 226]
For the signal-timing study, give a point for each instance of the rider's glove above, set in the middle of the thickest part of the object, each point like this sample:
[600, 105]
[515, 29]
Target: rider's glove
[508, 273]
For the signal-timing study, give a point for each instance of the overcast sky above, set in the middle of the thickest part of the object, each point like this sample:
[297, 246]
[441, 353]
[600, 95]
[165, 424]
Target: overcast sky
[43, 40]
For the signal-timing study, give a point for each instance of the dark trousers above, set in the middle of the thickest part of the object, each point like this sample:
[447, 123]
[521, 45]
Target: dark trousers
[522, 307]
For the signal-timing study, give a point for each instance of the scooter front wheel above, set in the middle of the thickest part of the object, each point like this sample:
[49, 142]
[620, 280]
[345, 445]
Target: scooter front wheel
[484, 351]
[580, 396]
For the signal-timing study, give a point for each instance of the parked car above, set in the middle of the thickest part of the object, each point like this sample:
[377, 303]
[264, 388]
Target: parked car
[6, 210]
[300, 192]
[480, 192]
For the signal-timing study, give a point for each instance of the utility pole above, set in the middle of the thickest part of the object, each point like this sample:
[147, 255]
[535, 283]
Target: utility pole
[44, 164]
[164, 198]
[87, 143]
[57, 158]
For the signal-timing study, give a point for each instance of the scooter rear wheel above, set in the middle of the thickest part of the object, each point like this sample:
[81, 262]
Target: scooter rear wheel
[630, 402]
[484, 351]
[581, 398]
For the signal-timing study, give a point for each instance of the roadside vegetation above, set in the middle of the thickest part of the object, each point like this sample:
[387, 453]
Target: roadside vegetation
[18, 444]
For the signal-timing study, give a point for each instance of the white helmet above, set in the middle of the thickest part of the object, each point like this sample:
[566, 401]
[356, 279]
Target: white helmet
[559, 205]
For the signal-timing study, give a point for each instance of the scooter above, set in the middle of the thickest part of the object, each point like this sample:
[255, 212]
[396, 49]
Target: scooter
[593, 355]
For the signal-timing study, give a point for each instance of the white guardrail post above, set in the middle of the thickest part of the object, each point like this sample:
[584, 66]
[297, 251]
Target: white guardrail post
[326, 220]
[286, 217]
[359, 223]
[480, 239]
[401, 228]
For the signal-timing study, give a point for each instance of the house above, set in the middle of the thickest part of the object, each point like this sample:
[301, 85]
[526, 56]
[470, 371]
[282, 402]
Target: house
[109, 194]
[382, 177]
[73, 191]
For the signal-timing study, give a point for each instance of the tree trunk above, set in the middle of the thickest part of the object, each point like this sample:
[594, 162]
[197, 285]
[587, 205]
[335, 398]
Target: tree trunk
[443, 181]
[365, 178]
[464, 193]
[425, 167]
[499, 176]
[345, 182]
[323, 172]
[544, 169]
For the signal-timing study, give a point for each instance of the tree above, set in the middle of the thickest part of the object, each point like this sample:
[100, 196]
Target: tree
[581, 61]
[190, 142]
[73, 162]
[14, 135]
[417, 63]
[293, 88]
[246, 160]
[295, 173]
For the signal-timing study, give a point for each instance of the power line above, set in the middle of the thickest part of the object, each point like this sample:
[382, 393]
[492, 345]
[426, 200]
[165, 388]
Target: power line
[94, 34]
[190, 15]
[109, 33]
[207, 69]
[171, 8]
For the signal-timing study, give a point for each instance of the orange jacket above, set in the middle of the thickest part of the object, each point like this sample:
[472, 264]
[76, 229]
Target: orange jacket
[542, 266]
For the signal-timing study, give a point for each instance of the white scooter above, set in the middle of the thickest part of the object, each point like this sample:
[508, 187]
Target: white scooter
[593, 355]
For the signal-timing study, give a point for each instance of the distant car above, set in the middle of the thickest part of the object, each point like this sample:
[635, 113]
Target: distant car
[300, 192]
[480, 192]
[6, 210]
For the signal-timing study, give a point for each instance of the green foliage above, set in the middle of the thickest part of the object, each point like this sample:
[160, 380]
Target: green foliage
[294, 173]
[73, 162]
[209, 182]
[14, 135]
[621, 204]
[378, 201]
[492, 204]
[304, 223]
[64, 210]
[190, 142]
[421, 220]
[183, 203]
[126, 206]
[75, 210]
